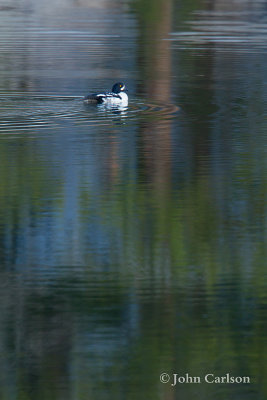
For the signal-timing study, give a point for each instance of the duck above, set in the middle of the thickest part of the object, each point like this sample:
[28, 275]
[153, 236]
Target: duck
[117, 96]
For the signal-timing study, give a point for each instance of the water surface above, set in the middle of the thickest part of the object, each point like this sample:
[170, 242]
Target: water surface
[132, 241]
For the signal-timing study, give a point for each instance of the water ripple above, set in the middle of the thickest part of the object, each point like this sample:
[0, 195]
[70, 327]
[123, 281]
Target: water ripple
[19, 112]
[246, 31]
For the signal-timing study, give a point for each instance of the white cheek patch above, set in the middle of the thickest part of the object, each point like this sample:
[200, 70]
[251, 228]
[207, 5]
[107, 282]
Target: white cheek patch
[123, 87]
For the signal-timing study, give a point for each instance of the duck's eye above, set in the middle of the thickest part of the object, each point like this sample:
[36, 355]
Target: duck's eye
[120, 85]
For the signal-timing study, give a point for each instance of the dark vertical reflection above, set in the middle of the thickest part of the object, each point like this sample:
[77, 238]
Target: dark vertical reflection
[154, 55]
[154, 60]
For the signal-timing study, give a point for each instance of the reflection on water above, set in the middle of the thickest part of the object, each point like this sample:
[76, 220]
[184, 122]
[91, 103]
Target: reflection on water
[133, 241]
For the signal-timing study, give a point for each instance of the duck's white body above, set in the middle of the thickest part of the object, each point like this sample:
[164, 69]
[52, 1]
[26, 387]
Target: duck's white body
[117, 97]
[113, 98]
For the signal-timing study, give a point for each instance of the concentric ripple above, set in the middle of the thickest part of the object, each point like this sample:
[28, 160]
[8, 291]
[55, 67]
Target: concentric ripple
[20, 112]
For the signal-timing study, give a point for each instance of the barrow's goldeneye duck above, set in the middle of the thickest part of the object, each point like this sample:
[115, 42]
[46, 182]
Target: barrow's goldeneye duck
[117, 96]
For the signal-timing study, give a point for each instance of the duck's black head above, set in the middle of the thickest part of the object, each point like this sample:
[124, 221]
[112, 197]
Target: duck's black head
[118, 87]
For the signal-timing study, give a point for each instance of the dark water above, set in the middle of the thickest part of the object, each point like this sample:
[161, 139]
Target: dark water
[133, 241]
